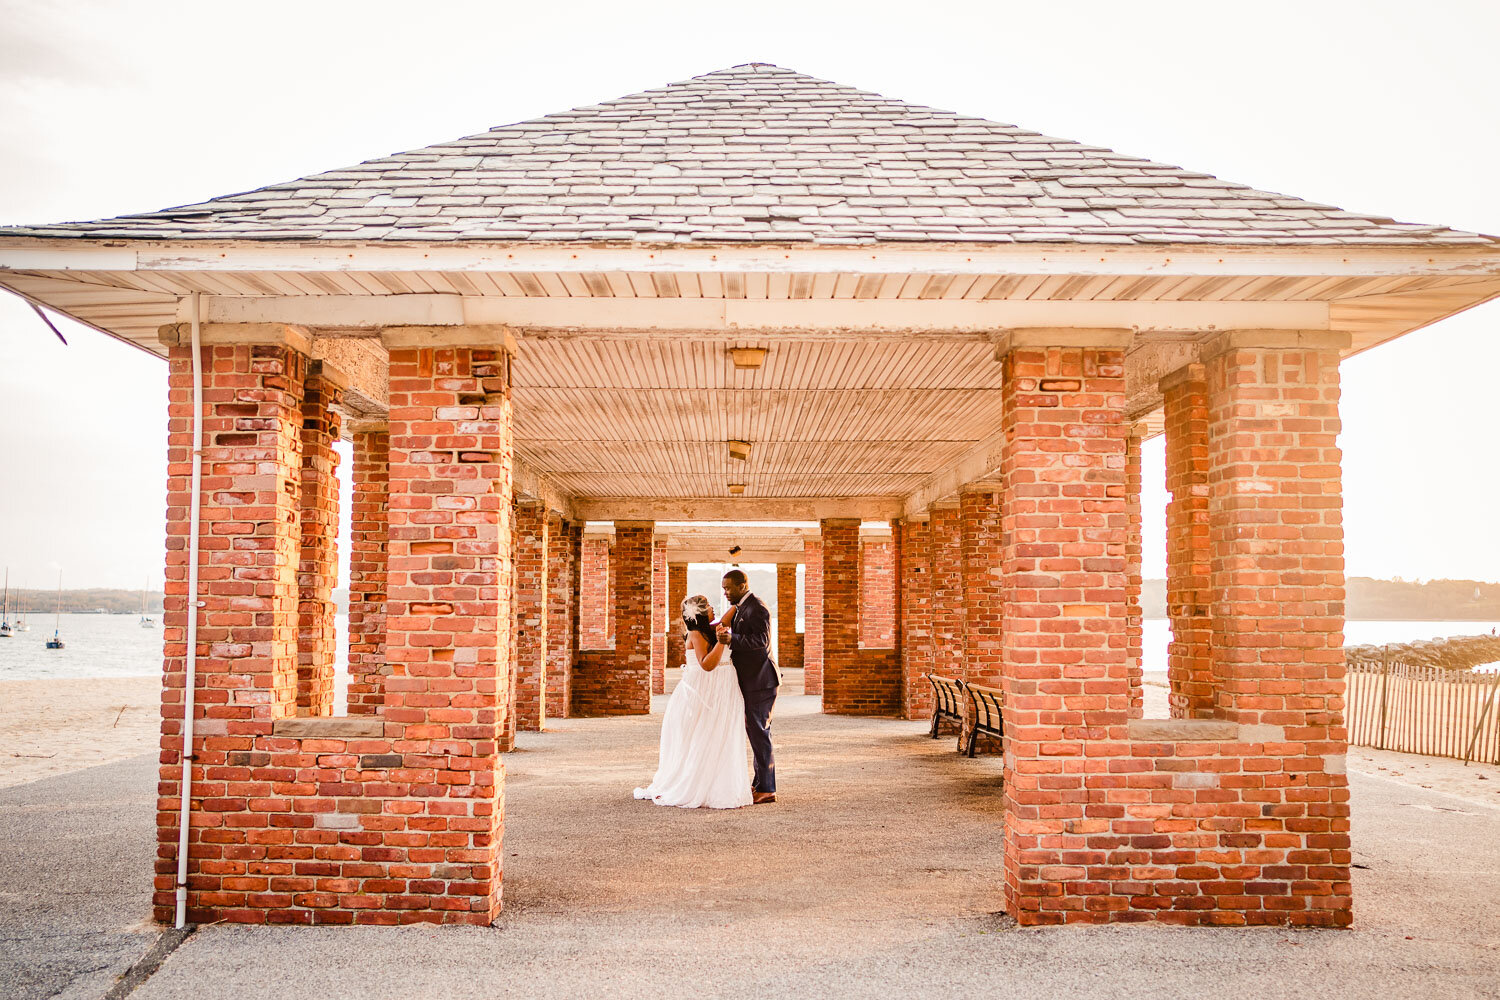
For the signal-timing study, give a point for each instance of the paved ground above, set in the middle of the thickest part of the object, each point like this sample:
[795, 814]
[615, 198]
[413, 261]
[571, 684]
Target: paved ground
[872, 877]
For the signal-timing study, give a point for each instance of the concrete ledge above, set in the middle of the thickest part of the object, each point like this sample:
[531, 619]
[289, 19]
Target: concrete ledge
[1178, 730]
[329, 729]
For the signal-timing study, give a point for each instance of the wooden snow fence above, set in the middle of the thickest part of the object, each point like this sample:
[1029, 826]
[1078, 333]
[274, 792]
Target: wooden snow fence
[1425, 710]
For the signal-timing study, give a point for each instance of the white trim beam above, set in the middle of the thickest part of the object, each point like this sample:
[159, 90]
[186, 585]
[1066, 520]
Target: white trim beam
[716, 555]
[36, 253]
[625, 315]
[978, 464]
[529, 484]
[735, 509]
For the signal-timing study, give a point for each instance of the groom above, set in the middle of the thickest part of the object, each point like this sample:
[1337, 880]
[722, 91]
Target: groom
[749, 641]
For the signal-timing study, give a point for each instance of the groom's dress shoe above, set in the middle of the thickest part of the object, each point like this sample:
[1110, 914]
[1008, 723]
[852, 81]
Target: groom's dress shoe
[761, 798]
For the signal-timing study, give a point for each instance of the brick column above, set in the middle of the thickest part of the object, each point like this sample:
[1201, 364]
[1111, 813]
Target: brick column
[318, 565]
[1277, 566]
[594, 614]
[979, 514]
[812, 617]
[877, 592]
[947, 561]
[1134, 622]
[788, 640]
[840, 577]
[449, 623]
[507, 741]
[1189, 551]
[562, 618]
[856, 681]
[249, 548]
[367, 565]
[531, 614]
[916, 617]
[406, 826]
[611, 600]
[676, 594]
[618, 681]
[1064, 669]
[659, 616]
[979, 511]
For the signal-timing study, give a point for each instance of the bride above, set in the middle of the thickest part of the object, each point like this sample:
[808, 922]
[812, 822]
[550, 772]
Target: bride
[703, 744]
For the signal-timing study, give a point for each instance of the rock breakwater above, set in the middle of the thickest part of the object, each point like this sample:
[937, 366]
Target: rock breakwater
[1459, 652]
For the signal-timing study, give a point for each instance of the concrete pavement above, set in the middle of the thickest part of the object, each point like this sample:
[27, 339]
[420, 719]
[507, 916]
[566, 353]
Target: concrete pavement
[873, 876]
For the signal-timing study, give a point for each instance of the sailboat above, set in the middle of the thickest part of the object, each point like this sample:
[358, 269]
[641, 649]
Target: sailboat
[5, 609]
[20, 624]
[56, 641]
[145, 621]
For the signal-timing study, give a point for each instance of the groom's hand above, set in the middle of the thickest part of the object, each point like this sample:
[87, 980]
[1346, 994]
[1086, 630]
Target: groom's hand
[723, 634]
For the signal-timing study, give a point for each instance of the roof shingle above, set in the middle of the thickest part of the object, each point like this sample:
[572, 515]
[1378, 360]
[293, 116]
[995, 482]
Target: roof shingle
[760, 153]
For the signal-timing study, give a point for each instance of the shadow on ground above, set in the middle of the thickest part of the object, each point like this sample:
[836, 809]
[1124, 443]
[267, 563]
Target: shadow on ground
[874, 875]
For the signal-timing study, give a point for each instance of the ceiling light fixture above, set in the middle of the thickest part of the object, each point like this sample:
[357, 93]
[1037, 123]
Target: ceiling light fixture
[747, 357]
[739, 450]
[736, 488]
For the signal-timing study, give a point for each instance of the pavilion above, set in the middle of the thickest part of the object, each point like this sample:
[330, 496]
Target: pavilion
[752, 296]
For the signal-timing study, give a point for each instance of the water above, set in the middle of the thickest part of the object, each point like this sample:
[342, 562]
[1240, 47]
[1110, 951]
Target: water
[104, 646]
[116, 646]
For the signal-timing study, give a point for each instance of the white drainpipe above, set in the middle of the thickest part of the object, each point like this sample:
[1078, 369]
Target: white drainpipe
[192, 621]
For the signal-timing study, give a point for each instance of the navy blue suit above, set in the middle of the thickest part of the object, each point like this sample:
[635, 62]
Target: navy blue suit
[750, 652]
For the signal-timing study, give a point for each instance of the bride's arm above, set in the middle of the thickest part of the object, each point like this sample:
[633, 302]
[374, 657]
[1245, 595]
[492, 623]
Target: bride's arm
[707, 658]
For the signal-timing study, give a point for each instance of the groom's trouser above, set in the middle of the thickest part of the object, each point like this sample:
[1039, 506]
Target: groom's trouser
[758, 705]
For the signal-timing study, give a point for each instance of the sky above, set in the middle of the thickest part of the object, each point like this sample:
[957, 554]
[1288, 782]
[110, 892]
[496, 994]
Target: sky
[115, 107]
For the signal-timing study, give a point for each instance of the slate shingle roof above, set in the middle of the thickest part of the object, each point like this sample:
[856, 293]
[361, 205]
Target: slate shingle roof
[758, 153]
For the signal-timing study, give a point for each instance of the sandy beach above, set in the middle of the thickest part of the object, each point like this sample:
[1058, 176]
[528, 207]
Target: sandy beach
[54, 726]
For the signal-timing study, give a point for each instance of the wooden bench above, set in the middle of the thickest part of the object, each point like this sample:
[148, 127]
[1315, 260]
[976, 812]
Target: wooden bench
[947, 703]
[988, 720]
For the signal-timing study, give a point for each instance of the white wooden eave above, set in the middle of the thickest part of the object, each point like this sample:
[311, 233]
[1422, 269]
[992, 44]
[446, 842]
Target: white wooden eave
[877, 396]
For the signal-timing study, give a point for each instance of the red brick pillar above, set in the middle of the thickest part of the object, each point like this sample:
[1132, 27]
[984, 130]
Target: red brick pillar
[979, 512]
[1067, 695]
[676, 594]
[659, 618]
[856, 680]
[946, 557]
[449, 623]
[1189, 551]
[1134, 621]
[508, 693]
[916, 617]
[618, 681]
[249, 547]
[367, 564]
[840, 579]
[281, 842]
[318, 565]
[594, 615]
[812, 617]
[611, 600]
[562, 619]
[1276, 529]
[633, 586]
[788, 641]
[877, 594]
[531, 617]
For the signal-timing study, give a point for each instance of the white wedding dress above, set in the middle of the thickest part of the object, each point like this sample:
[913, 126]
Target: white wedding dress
[703, 744]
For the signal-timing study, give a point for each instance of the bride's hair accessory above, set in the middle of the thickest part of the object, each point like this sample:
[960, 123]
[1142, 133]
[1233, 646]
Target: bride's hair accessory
[696, 608]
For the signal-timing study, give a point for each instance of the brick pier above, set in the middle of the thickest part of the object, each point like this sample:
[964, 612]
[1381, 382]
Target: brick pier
[393, 818]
